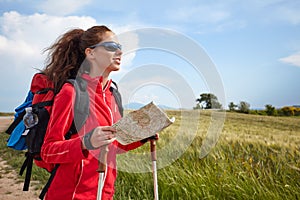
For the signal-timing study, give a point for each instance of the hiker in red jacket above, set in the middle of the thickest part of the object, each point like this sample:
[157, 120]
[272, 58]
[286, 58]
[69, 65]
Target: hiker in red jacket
[76, 177]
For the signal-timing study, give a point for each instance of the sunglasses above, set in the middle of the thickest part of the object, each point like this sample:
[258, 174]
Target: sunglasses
[108, 46]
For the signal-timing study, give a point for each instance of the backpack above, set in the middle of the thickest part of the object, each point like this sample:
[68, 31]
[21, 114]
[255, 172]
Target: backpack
[40, 98]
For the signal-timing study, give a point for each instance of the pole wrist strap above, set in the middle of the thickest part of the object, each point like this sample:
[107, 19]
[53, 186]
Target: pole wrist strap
[87, 140]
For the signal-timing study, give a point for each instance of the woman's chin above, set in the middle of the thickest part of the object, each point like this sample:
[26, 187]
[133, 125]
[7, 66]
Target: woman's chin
[115, 67]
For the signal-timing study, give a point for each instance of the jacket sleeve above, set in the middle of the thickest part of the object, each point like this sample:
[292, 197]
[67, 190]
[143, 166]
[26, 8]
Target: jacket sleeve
[124, 148]
[55, 148]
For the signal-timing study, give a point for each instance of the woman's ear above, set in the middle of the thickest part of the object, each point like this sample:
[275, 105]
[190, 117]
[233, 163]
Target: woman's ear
[88, 52]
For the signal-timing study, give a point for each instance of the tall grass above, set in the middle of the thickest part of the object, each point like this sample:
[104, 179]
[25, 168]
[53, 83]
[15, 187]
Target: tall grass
[256, 157]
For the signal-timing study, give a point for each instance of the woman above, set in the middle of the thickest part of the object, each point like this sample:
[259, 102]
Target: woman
[76, 176]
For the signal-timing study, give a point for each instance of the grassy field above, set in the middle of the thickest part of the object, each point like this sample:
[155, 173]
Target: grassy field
[256, 157]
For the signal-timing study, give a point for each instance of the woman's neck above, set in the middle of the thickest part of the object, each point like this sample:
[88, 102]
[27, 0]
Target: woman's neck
[103, 76]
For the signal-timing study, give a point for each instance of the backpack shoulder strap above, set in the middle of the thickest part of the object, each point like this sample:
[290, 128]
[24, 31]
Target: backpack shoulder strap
[81, 107]
[117, 96]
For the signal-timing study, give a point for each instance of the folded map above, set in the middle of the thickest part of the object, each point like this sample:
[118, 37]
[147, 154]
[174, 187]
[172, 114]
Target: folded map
[141, 124]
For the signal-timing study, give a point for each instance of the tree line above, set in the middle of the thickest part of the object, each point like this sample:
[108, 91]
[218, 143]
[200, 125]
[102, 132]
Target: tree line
[210, 101]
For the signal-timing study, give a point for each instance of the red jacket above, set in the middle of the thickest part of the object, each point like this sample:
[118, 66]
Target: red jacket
[76, 177]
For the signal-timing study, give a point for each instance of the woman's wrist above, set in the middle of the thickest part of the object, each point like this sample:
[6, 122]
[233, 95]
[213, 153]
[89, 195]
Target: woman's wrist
[86, 141]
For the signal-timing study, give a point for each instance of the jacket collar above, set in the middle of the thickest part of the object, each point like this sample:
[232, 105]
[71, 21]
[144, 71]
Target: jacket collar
[97, 82]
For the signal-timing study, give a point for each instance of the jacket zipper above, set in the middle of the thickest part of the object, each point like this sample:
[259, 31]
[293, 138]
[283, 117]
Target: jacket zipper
[111, 117]
[110, 111]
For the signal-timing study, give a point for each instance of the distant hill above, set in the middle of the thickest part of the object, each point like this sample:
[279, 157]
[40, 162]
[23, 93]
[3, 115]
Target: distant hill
[135, 106]
[164, 107]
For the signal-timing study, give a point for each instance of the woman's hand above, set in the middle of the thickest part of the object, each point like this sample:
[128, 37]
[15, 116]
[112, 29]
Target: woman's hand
[100, 136]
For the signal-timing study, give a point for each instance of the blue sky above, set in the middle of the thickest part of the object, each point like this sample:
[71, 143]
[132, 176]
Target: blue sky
[254, 46]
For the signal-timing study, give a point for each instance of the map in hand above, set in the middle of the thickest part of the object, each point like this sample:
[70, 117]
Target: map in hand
[141, 124]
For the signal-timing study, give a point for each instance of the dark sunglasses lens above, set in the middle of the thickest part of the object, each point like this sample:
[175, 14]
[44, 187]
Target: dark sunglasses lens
[112, 46]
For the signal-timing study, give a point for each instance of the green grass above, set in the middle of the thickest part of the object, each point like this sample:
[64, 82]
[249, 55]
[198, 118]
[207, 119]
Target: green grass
[16, 158]
[6, 114]
[256, 157]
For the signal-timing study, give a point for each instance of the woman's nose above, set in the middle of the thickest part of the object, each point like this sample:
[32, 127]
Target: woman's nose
[119, 52]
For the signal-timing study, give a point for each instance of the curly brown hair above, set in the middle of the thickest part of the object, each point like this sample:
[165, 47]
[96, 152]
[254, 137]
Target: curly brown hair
[66, 55]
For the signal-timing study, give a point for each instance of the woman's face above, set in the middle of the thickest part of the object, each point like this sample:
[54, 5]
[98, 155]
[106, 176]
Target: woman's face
[106, 56]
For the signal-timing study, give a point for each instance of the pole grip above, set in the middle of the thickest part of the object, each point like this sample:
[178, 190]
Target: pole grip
[153, 150]
[102, 159]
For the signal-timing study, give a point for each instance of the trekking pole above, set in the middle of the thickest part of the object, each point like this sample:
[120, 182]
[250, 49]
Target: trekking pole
[101, 169]
[154, 170]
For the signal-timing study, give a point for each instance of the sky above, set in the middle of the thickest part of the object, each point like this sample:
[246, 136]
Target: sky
[173, 50]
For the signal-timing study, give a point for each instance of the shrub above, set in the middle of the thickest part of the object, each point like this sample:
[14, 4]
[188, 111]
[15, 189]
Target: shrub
[290, 111]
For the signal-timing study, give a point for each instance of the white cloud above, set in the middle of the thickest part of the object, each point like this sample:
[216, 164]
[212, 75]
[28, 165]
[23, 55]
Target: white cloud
[28, 35]
[22, 41]
[293, 59]
[61, 7]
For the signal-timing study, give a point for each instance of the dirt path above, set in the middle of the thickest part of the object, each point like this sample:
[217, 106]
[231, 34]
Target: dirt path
[10, 185]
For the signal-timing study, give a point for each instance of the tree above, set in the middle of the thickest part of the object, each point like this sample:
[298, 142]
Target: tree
[244, 107]
[270, 110]
[232, 106]
[197, 106]
[208, 101]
